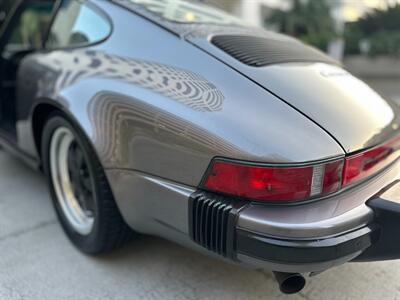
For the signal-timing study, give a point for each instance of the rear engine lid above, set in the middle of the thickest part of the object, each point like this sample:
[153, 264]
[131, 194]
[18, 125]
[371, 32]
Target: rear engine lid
[309, 81]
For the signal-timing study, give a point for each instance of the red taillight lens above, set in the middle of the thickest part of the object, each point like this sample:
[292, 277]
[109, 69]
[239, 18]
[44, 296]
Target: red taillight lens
[333, 177]
[277, 184]
[364, 164]
[286, 184]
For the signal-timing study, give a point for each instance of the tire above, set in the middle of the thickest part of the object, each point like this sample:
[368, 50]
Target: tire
[96, 226]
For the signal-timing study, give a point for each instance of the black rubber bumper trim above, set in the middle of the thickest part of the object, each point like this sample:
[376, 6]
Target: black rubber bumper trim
[387, 216]
[305, 252]
[212, 222]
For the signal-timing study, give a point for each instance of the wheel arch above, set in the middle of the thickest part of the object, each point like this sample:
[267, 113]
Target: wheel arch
[110, 230]
[40, 114]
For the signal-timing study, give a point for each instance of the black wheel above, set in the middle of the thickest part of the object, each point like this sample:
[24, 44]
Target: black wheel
[79, 188]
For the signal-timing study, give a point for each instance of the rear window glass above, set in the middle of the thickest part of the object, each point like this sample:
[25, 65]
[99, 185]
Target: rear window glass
[186, 12]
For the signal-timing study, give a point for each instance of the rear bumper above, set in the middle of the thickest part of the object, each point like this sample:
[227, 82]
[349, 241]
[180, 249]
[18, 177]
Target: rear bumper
[305, 238]
[305, 252]
[301, 238]
[379, 240]
[215, 225]
[303, 256]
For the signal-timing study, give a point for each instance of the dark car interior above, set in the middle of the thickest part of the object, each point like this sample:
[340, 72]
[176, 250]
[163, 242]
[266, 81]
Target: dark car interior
[5, 7]
[22, 34]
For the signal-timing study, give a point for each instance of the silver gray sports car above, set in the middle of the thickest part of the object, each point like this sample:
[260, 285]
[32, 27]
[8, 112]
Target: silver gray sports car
[174, 119]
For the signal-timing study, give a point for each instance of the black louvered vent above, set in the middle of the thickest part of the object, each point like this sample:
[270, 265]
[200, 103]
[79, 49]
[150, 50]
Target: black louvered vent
[212, 222]
[258, 51]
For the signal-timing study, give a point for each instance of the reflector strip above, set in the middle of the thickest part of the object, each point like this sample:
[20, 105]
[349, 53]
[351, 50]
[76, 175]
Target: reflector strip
[317, 180]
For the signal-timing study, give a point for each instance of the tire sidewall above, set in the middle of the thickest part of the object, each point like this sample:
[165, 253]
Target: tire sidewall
[87, 243]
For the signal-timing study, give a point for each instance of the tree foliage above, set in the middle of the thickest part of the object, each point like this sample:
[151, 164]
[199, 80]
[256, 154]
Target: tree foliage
[310, 21]
[380, 29]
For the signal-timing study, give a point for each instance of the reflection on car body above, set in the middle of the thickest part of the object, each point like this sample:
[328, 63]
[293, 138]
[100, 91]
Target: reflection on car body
[191, 125]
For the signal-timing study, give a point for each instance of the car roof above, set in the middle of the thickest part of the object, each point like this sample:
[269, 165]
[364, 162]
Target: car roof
[171, 24]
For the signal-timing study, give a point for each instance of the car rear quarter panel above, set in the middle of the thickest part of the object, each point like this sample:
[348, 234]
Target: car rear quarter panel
[152, 102]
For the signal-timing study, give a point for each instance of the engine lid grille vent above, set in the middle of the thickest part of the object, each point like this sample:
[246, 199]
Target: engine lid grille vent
[259, 51]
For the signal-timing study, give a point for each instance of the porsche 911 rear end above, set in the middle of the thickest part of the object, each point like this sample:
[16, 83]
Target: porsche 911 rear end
[311, 215]
[239, 142]
[303, 172]
[301, 218]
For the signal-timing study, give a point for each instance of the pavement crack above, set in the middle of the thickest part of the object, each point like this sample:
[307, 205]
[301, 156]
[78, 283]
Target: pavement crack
[27, 230]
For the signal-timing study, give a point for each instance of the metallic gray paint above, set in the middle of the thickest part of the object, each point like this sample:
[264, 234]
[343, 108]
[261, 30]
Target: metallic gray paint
[159, 118]
[303, 222]
[347, 108]
[150, 204]
[325, 93]
[171, 137]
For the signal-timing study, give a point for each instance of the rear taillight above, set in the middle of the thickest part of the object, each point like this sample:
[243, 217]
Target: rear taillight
[274, 183]
[297, 183]
[362, 165]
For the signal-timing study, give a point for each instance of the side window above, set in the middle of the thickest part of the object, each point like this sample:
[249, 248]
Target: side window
[77, 24]
[28, 28]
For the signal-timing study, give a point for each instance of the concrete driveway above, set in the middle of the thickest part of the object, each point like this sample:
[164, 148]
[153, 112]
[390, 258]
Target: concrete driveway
[38, 262]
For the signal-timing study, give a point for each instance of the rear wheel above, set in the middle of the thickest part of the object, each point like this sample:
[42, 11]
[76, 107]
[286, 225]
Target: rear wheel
[80, 191]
